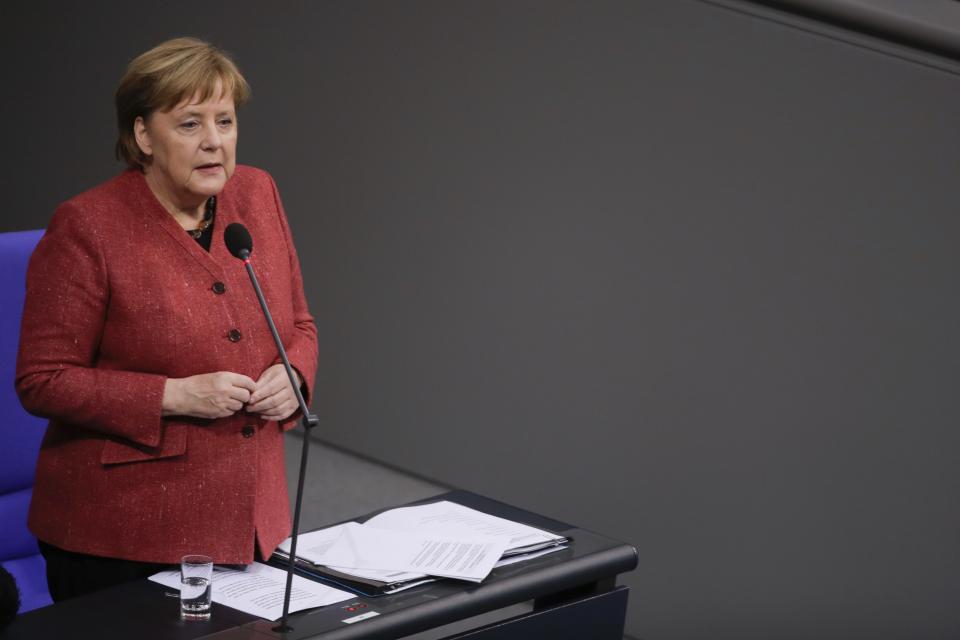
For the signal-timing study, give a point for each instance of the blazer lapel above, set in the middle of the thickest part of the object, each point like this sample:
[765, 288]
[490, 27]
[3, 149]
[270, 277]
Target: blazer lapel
[152, 207]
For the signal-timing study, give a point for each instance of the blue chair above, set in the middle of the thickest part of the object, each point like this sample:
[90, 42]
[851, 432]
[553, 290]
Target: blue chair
[20, 432]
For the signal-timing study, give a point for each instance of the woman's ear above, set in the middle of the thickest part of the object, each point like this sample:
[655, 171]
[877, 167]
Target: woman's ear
[142, 136]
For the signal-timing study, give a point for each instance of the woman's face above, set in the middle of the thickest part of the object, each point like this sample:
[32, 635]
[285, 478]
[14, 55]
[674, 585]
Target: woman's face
[192, 147]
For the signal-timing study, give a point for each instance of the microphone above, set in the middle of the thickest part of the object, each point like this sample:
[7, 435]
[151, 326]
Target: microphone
[238, 240]
[240, 244]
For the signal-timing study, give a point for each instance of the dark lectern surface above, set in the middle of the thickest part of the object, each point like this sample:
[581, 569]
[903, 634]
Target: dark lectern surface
[141, 611]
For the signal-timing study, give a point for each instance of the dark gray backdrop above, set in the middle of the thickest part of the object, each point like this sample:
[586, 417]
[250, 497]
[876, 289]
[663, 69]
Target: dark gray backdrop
[678, 273]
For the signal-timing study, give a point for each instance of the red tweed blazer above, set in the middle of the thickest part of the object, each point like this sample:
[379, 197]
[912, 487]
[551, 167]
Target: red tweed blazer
[119, 298]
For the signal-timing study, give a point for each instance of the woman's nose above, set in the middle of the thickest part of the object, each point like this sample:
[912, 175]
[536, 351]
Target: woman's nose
[211, 137]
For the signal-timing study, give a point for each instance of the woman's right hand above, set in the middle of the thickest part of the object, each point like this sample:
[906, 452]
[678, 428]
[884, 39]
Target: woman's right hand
[208, 395]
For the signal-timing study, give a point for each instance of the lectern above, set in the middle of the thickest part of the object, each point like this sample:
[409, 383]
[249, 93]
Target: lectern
[570, 594]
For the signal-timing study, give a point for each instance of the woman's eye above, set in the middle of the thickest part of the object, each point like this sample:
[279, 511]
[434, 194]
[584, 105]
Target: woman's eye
[189, 126]
[226, 122]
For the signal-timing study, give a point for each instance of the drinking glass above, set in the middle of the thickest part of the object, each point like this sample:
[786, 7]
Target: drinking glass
[196, 588]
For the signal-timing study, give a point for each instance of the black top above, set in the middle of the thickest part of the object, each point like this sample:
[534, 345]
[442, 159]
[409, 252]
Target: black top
[204, 237]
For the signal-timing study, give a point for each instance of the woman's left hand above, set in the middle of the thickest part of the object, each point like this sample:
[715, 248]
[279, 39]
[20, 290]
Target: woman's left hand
[274, 398]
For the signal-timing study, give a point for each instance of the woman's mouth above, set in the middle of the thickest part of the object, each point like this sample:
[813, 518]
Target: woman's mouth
[213, 167]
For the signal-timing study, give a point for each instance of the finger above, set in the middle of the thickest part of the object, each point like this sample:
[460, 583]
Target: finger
[240, 394]
[267, 389]
[290, 410]
[270, 385]
[240, 380]
[271, 402]
[280, 413]
[268, 403]
[279, 405]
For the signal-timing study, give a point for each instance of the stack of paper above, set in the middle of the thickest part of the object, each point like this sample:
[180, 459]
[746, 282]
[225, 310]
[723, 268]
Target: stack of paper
[407, 546]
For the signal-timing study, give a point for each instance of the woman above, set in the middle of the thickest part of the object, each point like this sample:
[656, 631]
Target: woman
[143, 343]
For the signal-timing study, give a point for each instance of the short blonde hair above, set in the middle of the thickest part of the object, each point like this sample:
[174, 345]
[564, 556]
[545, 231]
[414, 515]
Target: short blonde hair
[165, 76]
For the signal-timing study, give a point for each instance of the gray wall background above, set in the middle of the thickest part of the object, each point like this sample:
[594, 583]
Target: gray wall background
[672, 271]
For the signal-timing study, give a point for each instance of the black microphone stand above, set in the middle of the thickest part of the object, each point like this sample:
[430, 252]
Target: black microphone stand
[309, 421]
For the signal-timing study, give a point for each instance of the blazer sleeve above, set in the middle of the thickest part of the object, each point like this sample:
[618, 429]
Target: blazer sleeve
[57, 377]
[302, 346]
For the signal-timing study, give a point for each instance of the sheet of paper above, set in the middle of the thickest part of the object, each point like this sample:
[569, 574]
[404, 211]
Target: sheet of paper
[363, 547]
[527, 556]
[313, 545]
[451, 520]
[258, 590]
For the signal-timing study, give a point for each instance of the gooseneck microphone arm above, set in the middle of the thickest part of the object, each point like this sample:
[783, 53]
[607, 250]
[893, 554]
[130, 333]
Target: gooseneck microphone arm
[240, 244]
[276, 336]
